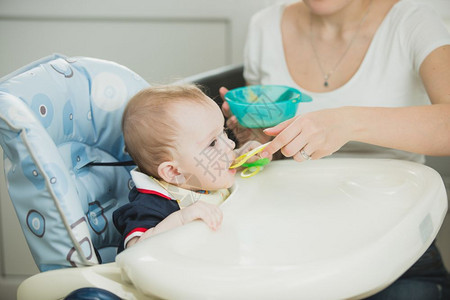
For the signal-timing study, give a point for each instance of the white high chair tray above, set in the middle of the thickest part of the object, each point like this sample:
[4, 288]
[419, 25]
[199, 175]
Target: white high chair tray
[326, 229]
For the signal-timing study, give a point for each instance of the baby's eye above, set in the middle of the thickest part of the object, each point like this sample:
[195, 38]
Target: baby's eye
[213, 143]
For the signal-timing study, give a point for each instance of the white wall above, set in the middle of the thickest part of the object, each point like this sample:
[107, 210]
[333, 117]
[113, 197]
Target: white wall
[161, 40]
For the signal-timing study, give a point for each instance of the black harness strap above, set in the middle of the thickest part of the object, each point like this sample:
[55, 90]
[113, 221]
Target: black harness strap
[112, 164]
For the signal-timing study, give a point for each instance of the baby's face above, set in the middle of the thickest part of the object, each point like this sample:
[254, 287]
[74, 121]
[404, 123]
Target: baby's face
[205, 152]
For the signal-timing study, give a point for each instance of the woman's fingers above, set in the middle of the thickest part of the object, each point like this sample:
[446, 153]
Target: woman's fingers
[222, 91]
[290, 139]
[232, 122]
[284, 133]
[294, 146]
[225, 106]
[302, 155]
[311, 136]
[273, 131]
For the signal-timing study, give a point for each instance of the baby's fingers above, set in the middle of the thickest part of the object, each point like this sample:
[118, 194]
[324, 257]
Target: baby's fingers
[213, 218]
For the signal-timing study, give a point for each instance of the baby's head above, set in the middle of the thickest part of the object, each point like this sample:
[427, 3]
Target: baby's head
[175, 133]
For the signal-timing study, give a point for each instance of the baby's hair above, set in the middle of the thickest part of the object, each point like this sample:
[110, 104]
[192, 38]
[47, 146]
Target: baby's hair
[148, 126]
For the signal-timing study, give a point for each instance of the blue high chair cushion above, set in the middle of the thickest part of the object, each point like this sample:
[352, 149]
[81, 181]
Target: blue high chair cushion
[57, 115]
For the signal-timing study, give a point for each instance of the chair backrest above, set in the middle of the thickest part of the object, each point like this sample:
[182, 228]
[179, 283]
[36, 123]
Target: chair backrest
[57, 115]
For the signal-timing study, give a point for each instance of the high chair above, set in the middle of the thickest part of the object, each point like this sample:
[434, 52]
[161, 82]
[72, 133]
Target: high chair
[58, 116]
[326, 229]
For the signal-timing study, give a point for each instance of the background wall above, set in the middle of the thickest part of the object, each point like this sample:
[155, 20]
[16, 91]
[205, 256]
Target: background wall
[161, 40]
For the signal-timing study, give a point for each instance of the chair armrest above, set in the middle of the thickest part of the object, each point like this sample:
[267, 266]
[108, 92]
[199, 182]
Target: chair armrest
[230, 76]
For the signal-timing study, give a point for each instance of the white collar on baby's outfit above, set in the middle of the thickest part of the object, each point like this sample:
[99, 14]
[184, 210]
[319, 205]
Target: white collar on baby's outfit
[150, 185]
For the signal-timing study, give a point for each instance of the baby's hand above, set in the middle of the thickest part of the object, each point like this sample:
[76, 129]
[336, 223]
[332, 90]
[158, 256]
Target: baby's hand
[210, 214]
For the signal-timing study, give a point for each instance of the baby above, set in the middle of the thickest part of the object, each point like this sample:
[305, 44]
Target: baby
[176, 137]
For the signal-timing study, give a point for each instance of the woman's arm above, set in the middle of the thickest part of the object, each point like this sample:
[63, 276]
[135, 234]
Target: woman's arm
[419, 129]
[424, 129]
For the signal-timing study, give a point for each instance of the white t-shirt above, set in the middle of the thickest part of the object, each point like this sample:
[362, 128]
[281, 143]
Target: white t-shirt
[387, 77]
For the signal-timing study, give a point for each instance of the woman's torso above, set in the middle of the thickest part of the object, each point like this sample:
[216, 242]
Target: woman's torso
[384, 72]
[334, 52]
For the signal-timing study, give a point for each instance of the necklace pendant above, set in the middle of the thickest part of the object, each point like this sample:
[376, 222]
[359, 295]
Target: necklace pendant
[325, 84]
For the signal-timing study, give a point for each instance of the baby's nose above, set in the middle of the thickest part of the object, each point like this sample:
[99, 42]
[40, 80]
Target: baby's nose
[231, 143]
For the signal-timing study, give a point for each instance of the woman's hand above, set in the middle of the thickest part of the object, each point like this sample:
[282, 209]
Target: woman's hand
[242, 134]
[310, 136]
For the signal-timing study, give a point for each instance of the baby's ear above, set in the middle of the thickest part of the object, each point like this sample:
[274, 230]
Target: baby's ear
[168, 171]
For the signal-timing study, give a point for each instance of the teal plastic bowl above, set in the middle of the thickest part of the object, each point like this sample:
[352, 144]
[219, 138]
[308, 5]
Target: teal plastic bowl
[257, 106]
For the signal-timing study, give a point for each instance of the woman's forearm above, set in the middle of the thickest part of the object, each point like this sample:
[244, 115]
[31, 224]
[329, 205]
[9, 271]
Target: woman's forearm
[419, 129]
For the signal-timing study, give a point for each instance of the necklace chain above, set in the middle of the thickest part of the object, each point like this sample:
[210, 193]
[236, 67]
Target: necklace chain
[327, 75]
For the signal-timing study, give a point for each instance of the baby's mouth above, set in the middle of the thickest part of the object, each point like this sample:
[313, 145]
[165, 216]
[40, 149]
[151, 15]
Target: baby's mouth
[232, 161]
